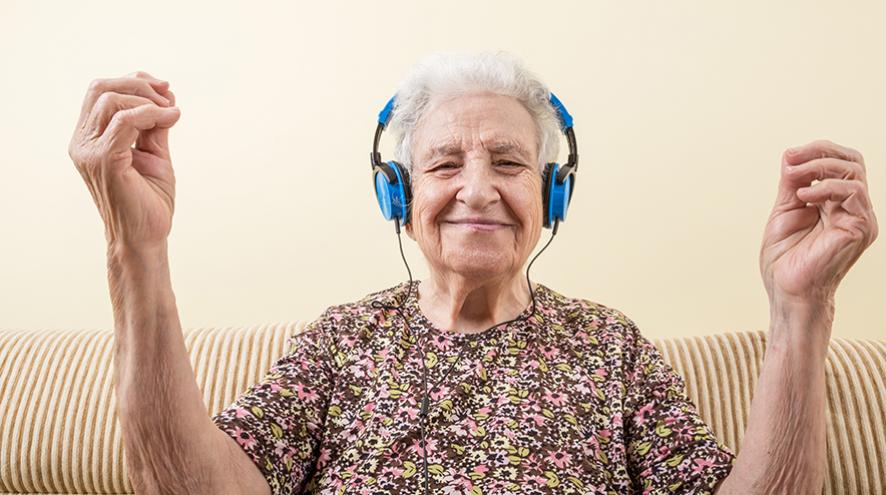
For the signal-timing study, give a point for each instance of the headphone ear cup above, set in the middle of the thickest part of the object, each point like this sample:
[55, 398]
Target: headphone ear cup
[391, 195]
[546, 183]
[407, 192]
[559, 195]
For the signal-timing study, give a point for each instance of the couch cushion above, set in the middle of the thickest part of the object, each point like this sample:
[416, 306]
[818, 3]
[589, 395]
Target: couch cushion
[59, 431]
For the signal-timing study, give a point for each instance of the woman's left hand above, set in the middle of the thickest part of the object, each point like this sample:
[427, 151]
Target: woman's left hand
[807, 249]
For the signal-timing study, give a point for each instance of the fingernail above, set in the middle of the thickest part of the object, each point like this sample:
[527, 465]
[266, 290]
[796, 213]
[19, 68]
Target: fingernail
[793, 151]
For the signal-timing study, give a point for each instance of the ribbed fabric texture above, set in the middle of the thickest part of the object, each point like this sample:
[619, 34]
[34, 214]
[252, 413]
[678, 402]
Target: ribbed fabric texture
[59, 431]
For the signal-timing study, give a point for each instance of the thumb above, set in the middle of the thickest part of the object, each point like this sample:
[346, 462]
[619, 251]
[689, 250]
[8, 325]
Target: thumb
[156, 141]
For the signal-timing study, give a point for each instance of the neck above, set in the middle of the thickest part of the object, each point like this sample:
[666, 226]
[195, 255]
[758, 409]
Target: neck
[461, 304]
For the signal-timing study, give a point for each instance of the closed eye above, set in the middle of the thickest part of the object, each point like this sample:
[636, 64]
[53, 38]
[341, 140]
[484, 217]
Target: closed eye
[446, 165]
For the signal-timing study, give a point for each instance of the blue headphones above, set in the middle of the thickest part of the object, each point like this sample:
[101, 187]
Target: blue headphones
[394, 191]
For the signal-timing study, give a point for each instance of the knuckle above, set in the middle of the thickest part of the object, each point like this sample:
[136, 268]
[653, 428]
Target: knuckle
[818, 143]
[148, 89]
[105, 99]
[120, 118]
[97, 85]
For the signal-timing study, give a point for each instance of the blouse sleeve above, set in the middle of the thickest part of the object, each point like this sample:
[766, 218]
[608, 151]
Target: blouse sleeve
[670, 449]
[279, 421]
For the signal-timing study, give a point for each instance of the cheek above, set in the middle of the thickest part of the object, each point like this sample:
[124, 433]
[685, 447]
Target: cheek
[427, 203]
[528, 204]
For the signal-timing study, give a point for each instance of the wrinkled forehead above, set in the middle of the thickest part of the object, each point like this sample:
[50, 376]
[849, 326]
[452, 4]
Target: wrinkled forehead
[456, 125]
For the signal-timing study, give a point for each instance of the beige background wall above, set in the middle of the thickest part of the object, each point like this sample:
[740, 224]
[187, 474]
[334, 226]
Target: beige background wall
[682, 111]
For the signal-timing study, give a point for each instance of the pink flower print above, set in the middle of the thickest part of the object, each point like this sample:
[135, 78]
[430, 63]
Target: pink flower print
[555, 398]
[358, 429]
[559, 458]
[700, 465]
[279, 447]
[412, 412]
[240, 412]
[481, 469]
[458, 429]
[385, 392]
[460, 479]
[439, 392]
[419, 449]
[368, 363]
[244, 438]
[583, 389]
[602, 373]
[306, 393]
[388, 470]
[472, 426]
[549, 351]
[538, 418]
[594, 443]
[640, 417]
[541, 480]
[324, 457]
[532, 463]
[440, 342]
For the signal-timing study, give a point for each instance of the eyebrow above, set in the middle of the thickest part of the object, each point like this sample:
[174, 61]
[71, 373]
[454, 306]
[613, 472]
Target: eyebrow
[499, 147]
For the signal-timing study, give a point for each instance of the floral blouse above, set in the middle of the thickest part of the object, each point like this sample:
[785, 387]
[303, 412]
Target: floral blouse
[572, 399]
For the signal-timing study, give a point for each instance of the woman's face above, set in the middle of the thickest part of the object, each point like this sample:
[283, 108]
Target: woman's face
[476, 185]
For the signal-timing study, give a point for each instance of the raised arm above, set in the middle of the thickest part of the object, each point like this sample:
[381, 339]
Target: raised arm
[171, 444]
[814, 235]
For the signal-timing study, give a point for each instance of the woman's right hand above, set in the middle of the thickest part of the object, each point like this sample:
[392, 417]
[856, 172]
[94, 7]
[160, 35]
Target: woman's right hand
[133, 187]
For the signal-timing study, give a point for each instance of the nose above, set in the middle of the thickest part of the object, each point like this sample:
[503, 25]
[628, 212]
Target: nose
[478, 188]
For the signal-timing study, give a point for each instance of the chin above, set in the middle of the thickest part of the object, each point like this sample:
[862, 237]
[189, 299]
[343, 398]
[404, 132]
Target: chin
[483, 264]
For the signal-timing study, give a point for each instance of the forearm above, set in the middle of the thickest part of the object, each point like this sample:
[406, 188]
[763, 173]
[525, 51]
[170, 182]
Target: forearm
[784, 450]
[165, 423]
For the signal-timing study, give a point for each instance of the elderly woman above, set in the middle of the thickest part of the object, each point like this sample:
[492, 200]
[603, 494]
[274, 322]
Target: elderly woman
[474, 380]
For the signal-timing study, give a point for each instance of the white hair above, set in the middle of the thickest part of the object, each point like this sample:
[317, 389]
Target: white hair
[448, 74]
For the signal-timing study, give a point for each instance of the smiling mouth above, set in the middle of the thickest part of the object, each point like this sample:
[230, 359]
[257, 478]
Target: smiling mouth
[480, 227]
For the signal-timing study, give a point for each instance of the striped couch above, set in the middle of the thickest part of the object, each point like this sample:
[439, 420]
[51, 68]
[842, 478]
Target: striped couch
[59, 433]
